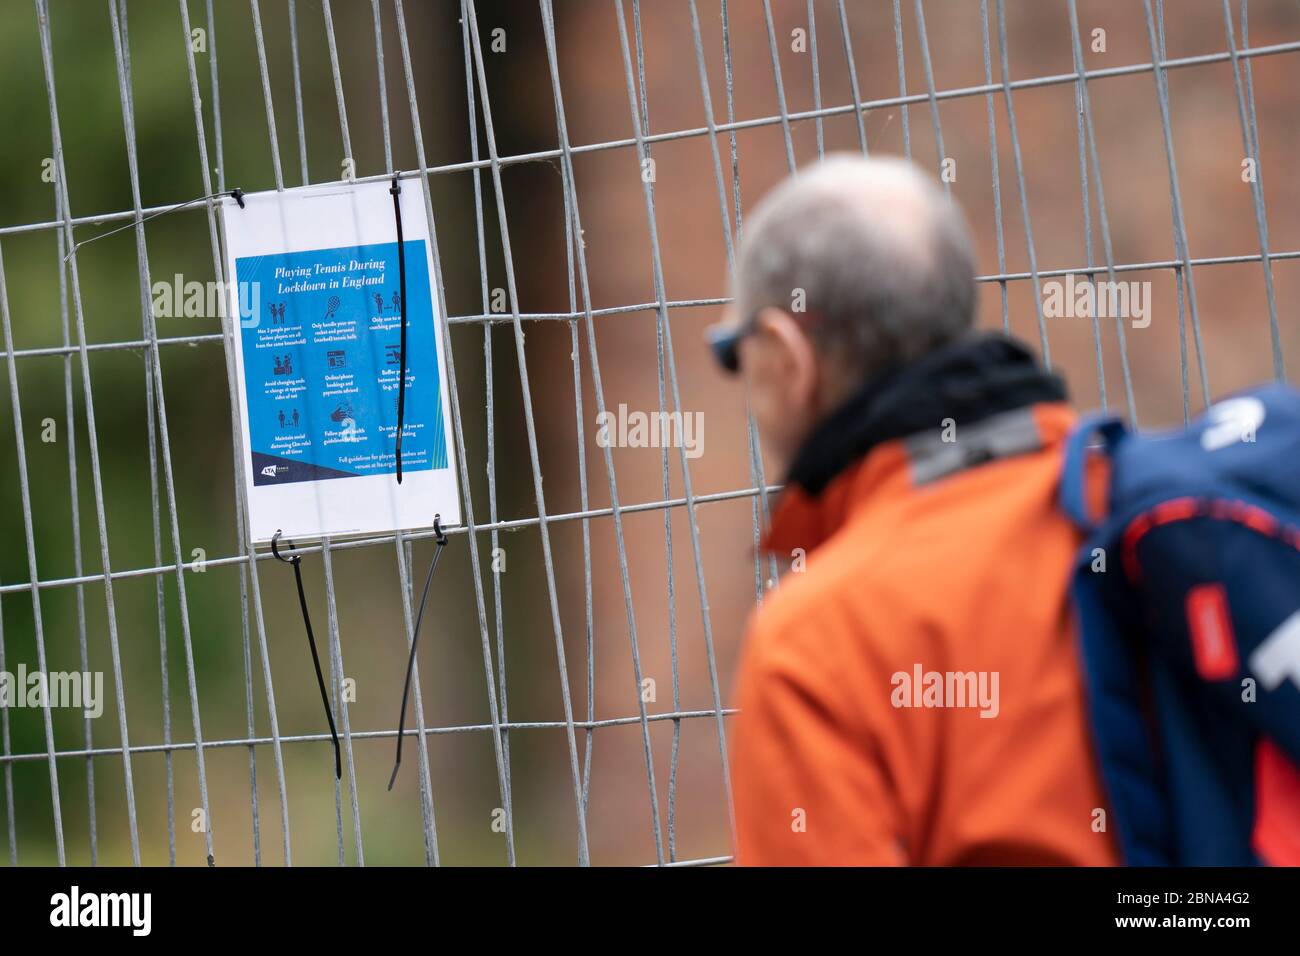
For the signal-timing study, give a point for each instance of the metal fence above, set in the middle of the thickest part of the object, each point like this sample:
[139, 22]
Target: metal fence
[174, 569]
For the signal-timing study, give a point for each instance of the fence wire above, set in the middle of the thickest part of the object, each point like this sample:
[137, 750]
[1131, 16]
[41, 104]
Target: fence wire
[484, 523]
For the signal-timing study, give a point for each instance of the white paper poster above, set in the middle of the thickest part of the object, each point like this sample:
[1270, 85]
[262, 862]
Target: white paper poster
[316, 302]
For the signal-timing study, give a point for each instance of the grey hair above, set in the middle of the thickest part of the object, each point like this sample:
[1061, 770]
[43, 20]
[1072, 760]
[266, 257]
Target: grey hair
[873, 250]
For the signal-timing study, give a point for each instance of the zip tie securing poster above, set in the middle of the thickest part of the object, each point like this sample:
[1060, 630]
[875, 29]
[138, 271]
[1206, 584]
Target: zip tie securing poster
[318, 361]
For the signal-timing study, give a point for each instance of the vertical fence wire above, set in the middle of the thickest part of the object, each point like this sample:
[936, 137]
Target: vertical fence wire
[47, 62]
[661, 297]
[498, 740]
[1181, 249]
[248, 552]
[494, 536]
[530, 426]
[155, 397]
[666, 486]
[1108, 252]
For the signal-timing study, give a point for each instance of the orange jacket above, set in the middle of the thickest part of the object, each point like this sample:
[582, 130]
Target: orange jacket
[966, 573]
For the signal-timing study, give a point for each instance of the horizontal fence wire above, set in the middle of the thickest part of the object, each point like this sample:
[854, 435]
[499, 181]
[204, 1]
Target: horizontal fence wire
[795, 116]
[483, 523]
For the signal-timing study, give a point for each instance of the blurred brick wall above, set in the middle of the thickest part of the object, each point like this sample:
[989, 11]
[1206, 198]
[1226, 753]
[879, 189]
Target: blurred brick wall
[1217, 209]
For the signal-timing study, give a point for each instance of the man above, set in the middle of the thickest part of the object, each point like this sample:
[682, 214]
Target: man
[910, 694]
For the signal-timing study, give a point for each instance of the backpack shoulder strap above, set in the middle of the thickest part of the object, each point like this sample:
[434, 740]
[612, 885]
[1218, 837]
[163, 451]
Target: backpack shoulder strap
[1073, 491]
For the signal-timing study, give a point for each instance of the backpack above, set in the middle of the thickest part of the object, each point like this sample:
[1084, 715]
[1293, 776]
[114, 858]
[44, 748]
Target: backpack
[1187, 592]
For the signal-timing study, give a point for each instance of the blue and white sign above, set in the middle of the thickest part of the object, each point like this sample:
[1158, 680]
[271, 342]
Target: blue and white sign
[317, 354]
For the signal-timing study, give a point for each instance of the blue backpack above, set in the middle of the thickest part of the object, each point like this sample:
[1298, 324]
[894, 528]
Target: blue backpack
[1187, 592]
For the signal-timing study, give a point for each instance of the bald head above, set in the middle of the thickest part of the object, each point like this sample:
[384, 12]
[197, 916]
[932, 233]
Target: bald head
[872, 250]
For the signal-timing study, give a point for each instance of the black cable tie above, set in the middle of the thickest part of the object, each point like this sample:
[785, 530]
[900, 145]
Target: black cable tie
[275, 538]
[396, 190]
[440, 537]
[237, 195]
[296, 561]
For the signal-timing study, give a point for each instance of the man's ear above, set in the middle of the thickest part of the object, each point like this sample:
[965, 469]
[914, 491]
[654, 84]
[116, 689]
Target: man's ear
[794, 354]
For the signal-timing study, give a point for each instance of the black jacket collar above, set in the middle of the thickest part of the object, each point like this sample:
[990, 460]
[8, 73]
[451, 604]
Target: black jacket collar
[977, 376]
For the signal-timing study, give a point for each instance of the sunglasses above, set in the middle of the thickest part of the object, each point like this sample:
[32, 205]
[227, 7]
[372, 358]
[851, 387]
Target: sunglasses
[724, 340]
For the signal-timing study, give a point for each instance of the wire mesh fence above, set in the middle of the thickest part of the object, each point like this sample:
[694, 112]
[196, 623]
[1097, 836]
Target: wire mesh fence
[215, 752]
